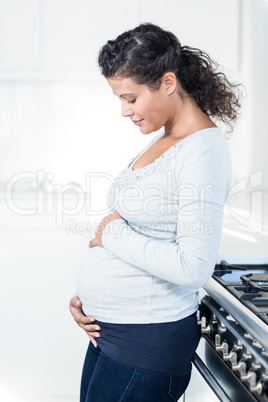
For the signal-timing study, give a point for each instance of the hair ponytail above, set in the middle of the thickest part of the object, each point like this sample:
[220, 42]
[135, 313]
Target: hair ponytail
[212, 91]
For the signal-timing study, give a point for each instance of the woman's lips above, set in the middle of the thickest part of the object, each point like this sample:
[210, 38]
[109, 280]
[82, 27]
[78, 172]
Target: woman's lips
[137, 122]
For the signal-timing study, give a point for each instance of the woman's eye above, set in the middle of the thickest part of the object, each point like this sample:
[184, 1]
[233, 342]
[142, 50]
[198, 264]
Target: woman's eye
[133, 101]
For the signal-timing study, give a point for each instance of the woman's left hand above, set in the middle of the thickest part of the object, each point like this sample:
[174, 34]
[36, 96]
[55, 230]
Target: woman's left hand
[98, 234]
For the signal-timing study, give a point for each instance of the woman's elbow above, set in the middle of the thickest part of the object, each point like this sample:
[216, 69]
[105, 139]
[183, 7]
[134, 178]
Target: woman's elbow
[196, 275]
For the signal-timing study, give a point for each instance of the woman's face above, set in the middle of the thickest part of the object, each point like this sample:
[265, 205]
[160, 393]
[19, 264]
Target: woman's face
[148, 110]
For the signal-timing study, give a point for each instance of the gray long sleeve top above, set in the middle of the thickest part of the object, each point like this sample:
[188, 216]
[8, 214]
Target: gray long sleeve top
[153, 262]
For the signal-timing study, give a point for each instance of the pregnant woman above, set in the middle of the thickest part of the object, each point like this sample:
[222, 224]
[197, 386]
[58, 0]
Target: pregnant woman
[140, 279]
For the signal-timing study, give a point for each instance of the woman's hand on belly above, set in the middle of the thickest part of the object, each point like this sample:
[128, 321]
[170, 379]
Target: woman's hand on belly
[83, 321]
[98, 234]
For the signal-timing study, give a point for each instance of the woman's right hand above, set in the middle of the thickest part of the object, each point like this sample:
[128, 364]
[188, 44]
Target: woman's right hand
[83, 321]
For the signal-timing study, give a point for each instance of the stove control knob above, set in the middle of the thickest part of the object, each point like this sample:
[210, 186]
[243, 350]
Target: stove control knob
[214, 319]
[198, 317]
[256, 365]
[234, 359]
[221, 347]
[229, 356]
[251, 377]
[257, 388]
[238, 346]
[221, 328]
[205, 329]
[247, 355]
[241, 366]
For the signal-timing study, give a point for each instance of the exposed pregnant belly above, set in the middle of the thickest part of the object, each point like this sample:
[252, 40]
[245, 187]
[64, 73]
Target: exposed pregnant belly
[110, 289]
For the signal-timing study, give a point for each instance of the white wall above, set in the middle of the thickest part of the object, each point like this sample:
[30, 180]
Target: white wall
[259, 83]
[60, 121]
[249, 142]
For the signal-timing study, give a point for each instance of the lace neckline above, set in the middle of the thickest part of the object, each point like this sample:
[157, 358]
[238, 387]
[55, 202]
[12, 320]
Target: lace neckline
[167, 152]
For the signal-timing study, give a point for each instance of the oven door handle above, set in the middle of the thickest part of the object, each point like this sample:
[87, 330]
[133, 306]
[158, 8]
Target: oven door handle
[210, 379]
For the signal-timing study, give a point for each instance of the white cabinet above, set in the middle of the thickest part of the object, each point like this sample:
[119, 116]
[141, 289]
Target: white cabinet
[61, 39]
[58, 39]
[42, 349]
[19, 34]
[213, 26]
[74, 30]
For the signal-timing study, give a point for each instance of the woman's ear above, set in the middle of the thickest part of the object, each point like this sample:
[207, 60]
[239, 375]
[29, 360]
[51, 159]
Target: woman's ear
[170, 81]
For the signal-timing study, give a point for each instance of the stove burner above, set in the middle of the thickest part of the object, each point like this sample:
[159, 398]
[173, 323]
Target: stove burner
[224, 265]
[252, 281]
[251, 288]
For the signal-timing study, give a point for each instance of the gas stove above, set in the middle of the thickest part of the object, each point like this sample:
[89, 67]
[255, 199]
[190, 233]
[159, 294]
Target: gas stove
[248, 283]
[233, 315]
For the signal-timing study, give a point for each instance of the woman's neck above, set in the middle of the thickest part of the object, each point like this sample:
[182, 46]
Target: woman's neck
[186, 119]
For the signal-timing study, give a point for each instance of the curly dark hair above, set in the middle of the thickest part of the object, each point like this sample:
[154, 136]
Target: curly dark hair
[147, 52]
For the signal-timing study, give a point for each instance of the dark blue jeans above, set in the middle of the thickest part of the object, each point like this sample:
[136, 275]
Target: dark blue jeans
[106, 380]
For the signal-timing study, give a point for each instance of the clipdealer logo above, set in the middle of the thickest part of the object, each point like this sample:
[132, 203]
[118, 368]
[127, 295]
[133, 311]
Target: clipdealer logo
[64, 202]
[53, 199]
[249, 216]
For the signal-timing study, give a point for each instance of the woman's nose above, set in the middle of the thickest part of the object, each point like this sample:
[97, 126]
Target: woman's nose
[126, 110]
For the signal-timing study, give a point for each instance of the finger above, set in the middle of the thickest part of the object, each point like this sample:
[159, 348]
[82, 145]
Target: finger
[93, 341]
[93, 334]
[75, 307]
[89, 328]
[101, 226]
[92, 243]
[82, 319]
[75, 301]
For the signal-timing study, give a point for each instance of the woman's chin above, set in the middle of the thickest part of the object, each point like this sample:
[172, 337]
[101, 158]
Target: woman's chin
[143, 130]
